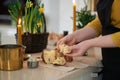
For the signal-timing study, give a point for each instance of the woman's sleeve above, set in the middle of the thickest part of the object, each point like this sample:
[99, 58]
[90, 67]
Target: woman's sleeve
[96, 25]
[116, 38]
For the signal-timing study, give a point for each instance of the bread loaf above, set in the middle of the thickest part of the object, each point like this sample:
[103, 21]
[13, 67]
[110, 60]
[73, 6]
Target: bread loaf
[64, 49]
[57, 57]
[59, 61]
[49, 56]
[68, 58]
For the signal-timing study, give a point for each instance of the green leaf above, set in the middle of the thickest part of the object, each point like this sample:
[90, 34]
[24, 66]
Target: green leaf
[84, 16]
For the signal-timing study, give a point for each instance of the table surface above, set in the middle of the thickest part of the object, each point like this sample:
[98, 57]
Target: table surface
[43, 73]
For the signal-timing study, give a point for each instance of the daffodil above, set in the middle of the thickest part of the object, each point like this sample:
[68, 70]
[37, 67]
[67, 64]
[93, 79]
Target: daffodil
[29, 4]
[39, 24]
[41, 9]
[33, 16]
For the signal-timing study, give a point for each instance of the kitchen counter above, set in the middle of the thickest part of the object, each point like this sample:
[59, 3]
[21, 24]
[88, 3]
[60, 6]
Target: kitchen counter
[48, 73]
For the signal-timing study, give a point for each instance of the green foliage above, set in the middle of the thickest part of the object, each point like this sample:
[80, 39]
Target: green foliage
[14, 8]
[84, 16]
[32, 15]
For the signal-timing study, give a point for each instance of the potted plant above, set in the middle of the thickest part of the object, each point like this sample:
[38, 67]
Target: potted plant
[84, 16]
[34, 35]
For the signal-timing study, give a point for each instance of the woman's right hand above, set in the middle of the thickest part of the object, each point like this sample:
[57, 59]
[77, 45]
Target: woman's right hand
[68, 39]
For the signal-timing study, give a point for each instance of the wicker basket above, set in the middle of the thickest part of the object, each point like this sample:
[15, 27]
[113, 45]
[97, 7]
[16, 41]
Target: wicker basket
[34, 42]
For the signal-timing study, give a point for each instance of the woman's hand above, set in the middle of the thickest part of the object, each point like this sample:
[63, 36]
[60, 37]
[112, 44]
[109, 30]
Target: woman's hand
[80, 49]
[69, 40]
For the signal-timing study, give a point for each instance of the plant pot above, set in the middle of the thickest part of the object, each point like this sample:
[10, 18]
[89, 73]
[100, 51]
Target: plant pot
[34, 42]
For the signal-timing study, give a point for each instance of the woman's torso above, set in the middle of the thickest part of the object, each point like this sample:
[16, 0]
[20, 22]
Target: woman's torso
[110, 21]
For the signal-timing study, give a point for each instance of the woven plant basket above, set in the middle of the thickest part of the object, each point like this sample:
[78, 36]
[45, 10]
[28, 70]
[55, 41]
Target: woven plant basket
[35, 42]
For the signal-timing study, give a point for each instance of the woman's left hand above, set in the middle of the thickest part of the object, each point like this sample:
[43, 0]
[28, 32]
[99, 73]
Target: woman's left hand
[80, 48]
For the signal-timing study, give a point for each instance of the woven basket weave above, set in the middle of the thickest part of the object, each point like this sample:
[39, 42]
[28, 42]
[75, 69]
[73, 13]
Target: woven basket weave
[34, 42]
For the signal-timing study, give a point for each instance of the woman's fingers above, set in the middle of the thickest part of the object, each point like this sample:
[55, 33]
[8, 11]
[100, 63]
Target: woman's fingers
[59, 43]
[76, 51]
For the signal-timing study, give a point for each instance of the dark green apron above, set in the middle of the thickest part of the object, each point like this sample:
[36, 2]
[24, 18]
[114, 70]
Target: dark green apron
[111, 56]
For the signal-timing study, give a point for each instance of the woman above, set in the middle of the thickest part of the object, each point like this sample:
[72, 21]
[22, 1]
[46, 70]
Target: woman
[106, 24]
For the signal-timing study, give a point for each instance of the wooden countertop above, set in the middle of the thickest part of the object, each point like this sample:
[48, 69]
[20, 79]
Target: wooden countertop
[46, 73]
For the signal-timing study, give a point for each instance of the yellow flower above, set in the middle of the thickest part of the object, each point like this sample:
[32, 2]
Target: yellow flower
[39, 24]
[41, 9]
[31, 4]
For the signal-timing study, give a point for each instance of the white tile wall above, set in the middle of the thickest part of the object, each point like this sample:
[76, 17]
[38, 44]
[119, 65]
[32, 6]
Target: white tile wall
[7, 34]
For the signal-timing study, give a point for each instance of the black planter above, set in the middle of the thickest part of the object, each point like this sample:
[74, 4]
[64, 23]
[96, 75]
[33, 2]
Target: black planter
[34, 42]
